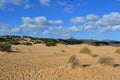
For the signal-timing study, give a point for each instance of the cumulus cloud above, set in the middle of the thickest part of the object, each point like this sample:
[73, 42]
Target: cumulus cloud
[90, 25]
[109, 22]
[56, 22]
[7, 29]
[62, 31]
[74, 29]
[92, 17]
[77, 20]
[45, 2]
[38, 22]
[111, 19]
[4, 3]
[116, 28]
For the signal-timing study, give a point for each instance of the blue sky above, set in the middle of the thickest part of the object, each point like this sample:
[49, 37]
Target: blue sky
[81, 19]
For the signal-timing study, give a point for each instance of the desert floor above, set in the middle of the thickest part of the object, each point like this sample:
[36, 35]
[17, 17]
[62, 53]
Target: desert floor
[39, 62]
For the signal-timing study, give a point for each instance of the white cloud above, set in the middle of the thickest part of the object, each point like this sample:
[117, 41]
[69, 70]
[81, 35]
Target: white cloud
[92, 17]
[42, 25]
[45, 2]
[4, 27]
[74, 29]
[116, 28]
[62, 3]
[38, 22]
[109, 22]
[35, 23]
[27, 6]
[77, 20]
[90, 25]
[16, 2]
[68, 8]
[56, 22]
[4, 3]
[7, 29]
[62, 31]
[111, 19]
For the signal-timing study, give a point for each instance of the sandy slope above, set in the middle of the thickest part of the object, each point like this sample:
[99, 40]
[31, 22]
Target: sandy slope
[39, 62]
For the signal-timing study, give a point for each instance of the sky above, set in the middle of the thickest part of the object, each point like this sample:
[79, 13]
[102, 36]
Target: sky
[80, 19]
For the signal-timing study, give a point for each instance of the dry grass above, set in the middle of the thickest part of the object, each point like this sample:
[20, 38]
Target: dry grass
[117, 51]
[106, 61]
[74, 62]
[85, 50]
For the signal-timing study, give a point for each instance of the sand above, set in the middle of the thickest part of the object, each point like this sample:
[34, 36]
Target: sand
[39, 62]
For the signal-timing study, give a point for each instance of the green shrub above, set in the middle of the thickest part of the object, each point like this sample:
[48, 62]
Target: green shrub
[2, 40]
[27, 43]
[47, 40]
[14, 42]
[38, 41]
[117, 51]
[5, 47]
[85, 50]
[92, 43]
[50, 44]
[106, 60]
[74, 62]
[63, 42]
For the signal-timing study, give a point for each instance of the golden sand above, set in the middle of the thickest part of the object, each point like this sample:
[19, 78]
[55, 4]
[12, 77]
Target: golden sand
[39, 62]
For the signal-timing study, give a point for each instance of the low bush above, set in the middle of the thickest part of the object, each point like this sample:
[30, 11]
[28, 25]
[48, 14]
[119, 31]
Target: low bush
[27, 43]
[117, 51]
[50, 44]
[74, 62]
[85, 50]
[5, 47]
[106, 61]
[92, 43]
[14, 42]
[38, 41]
[2, 40]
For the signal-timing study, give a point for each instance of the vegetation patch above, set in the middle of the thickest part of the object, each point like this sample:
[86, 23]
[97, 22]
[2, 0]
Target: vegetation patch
[117, 51]
[27, 43]
[106, 61]
[75, 63]
[85, 50]
[14, 42]
[38, 41]
[50, 44]
[5, 47]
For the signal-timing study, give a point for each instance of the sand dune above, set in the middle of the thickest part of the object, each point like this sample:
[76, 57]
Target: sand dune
[39, 62]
